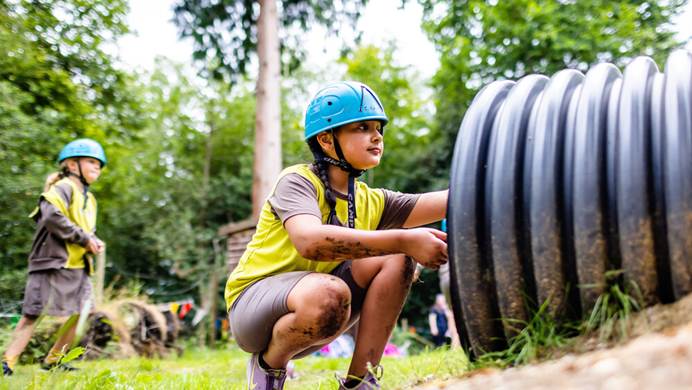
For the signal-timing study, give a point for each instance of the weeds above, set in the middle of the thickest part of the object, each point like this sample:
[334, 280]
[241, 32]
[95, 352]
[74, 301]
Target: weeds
[543, 333]
[611, 314]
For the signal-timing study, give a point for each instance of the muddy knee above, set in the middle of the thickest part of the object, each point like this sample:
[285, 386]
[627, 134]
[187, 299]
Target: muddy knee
[408, 267]
[331, 307]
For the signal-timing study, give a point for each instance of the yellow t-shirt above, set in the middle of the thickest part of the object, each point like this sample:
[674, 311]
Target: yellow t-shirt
[271, 252]
[78, 213]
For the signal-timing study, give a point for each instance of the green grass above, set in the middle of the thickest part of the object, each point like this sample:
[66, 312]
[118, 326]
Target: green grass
[541, 333]
[541, 336]
[610, 316]
[225, 369]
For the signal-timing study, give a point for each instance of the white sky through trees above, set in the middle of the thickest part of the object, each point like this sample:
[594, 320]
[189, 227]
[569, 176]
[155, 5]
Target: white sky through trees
[382, 20]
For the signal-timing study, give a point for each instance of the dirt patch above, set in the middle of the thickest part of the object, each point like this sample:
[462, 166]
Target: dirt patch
[656, 318]
[655, 351]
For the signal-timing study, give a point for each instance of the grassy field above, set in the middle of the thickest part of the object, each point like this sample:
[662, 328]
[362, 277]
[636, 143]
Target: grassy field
[225, 369]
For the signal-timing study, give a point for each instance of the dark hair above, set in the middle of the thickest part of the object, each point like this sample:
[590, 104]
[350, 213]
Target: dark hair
[322, 171]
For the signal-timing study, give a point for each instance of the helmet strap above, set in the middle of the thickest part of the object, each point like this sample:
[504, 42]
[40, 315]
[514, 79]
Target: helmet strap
[351, 202]
[85, 185]
[352, 174]
[343, 163]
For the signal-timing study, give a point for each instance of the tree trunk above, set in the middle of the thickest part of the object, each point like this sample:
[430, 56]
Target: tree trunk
[267, 163]
[207, 295]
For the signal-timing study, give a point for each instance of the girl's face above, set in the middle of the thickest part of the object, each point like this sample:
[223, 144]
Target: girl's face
[362, 143]
[91, 168]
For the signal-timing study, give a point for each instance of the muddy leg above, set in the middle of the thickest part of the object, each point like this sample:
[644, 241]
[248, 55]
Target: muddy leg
[320, 306]
[388, 280]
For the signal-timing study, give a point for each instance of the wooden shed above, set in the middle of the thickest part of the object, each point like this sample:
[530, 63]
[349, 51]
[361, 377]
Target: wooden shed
[238, 236]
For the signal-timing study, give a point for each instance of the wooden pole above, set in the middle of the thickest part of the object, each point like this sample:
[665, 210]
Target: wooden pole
[213, 291]
[267, 158]
[100, 276]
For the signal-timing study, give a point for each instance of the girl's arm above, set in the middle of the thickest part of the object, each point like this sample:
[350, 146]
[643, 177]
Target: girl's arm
[430, 207]
[432, 321]
[61, 226]
[319, 242]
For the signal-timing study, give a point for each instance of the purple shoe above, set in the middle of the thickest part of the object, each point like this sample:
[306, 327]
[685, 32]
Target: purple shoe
[371, 380]
[260, 379]
[6, 370]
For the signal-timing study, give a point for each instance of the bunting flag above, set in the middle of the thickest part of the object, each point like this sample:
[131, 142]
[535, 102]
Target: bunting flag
[184, 309]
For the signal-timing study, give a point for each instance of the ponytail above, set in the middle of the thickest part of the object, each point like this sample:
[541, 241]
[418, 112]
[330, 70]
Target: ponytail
[56, 176]
[52, 179]
[321, 162]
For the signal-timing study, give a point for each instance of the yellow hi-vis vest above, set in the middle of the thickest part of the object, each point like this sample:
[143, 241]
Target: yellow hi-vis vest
[78, 212]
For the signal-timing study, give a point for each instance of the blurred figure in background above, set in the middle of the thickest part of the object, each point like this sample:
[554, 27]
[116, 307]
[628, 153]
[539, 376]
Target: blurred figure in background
[439, 319]
[60, 261]
[443, 275]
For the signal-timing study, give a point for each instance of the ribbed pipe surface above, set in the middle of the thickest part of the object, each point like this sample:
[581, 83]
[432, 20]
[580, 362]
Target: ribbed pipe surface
[554, 182]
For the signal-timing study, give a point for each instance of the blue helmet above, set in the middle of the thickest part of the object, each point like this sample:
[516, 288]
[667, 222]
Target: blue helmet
[341, 103]
[83, 147]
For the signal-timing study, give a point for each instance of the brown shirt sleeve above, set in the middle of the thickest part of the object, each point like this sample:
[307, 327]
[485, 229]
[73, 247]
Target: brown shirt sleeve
[294, 195]
[397, 208]
[58, 224]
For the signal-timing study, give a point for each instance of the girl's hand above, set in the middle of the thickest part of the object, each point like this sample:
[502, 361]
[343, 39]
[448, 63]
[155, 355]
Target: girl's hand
[427, 246]
[101, 245]
[94, 245]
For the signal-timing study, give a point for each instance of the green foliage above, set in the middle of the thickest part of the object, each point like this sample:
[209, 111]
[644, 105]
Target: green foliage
[54, 52]
[164, 212]
[411, 343]
[225, 32]
[71, 355]
[482, 41]
[420, 299]
[12, 289]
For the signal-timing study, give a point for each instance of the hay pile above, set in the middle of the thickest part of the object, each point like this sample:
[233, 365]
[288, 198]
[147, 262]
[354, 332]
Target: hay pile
[129, 327]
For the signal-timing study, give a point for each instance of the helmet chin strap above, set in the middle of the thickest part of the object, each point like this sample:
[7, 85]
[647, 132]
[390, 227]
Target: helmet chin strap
[82, 179]
[353, 173]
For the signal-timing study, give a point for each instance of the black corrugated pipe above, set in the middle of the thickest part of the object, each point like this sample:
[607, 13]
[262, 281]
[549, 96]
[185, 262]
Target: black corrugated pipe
[554, 182]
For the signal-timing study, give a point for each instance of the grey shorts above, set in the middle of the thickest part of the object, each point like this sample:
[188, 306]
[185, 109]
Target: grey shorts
[56, 292]
[259, 306]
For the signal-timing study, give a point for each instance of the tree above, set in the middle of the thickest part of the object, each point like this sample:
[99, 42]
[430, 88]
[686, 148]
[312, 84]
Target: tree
[227, 34]
[481, 41]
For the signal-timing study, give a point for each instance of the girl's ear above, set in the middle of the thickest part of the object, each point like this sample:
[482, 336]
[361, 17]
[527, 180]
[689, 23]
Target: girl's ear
[325, 140]
[71, 165]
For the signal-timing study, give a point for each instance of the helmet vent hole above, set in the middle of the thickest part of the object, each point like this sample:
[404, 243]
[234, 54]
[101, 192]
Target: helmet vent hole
[329, 103]
[329, 119]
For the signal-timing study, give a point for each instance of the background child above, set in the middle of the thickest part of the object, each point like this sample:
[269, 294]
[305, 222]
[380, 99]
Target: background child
[59, 264]
[438, 320]
[329, 250]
